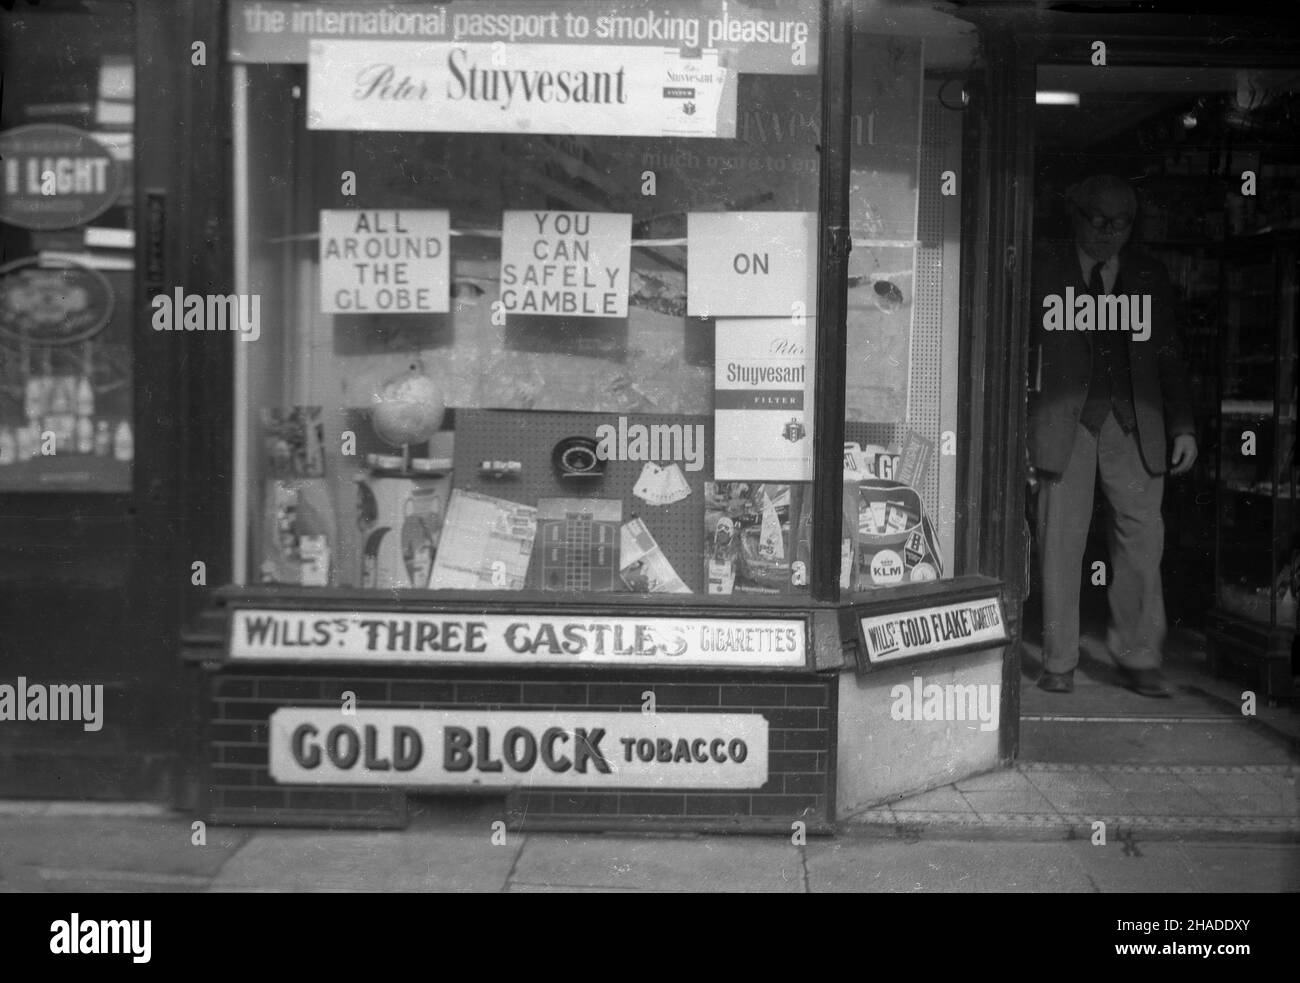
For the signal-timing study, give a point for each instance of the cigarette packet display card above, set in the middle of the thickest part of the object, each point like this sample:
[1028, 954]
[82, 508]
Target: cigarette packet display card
[762, 399]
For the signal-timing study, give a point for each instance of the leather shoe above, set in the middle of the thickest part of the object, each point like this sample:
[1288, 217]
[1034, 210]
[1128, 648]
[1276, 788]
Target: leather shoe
[1057, 682]
[1146, 682]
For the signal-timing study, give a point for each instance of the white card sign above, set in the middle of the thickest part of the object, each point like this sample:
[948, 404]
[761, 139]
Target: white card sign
[751, 264]
[469, 87]
[763, 399]
[387, 261]
[571, 264]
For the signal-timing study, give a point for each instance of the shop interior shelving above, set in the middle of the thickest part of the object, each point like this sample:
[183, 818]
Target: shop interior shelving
[1251, 629]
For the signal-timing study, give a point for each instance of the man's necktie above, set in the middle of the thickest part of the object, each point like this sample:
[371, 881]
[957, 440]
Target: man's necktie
[1095, 285]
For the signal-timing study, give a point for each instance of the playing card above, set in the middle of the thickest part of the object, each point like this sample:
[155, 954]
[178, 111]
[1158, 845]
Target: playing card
[650, 482]
[675, 486]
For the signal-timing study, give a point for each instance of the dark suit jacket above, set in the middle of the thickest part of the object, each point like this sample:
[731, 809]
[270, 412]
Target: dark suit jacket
[1161, 393]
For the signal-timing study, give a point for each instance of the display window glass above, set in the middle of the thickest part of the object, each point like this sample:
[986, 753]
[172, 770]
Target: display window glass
[910, 80]
[536, 297]
[67, 239]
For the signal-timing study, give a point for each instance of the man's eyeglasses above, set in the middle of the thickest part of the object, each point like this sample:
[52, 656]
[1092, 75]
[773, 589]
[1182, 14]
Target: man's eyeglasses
[1100, 222]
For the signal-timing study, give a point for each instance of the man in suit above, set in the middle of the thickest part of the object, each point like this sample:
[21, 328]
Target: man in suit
[1110, 403]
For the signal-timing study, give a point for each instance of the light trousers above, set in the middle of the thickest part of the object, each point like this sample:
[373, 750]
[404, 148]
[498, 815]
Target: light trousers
[1136, 533]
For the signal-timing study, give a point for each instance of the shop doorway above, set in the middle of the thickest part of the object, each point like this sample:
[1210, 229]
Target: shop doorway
[99, 421]
[1189, 140]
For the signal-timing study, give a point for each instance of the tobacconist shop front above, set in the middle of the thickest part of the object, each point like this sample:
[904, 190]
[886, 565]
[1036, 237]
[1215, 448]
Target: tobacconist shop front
[600, 440]
[608, 406]
[613, 407]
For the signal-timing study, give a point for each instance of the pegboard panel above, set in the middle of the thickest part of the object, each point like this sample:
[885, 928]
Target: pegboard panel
[529, 436]
[927, 382]
[929, 217]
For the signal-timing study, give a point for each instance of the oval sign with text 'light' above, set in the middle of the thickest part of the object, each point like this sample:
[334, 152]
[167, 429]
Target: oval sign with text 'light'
[55, 177]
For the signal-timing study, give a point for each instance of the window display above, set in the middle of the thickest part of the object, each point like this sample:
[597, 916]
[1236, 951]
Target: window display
[901, 375]
[565, 345]
[66, 287]
[542, 303]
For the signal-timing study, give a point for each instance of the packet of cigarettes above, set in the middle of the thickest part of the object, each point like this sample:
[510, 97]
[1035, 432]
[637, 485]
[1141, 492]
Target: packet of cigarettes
[896, 519]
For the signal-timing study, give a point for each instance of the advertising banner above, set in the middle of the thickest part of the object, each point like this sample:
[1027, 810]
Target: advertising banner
[922, 631]
[449, 638]
[503, 748]
[605, 90]
[778, 37]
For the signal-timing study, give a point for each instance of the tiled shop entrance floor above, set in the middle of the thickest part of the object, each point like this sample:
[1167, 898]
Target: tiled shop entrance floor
[1102, 722]
[1150, 741]
[1190, 765]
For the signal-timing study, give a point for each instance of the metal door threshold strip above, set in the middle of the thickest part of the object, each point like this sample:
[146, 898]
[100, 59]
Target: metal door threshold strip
[1037, 766]
[1125, 719]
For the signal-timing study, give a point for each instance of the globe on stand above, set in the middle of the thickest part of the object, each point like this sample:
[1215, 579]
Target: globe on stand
[407, 409]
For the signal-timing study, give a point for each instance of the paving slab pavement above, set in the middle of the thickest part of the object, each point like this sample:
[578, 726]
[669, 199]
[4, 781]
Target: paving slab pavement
[140, 854]
[697, 864]
[924, 866]
[456, 860]
[67, 849]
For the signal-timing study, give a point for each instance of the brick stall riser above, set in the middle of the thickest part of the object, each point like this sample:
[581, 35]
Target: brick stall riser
[800, 711]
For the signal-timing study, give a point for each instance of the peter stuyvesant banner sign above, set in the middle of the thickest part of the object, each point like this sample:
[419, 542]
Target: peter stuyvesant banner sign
[603, 90]
[449, 638]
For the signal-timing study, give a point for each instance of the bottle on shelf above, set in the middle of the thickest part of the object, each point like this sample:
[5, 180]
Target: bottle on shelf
[103, 439]
[8, 446]
[124, 442]
[34, 396]
[27, 438]
[61, 398]
[85, 435]
[85, 397]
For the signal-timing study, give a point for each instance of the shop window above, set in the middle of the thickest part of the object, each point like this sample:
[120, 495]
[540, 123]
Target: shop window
[533, 310]
[68, 242]
[911, 72]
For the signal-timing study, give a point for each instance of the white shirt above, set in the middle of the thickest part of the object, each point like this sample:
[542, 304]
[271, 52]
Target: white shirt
[1109, 269]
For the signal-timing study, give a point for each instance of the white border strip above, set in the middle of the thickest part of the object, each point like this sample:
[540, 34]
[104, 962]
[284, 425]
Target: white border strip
[239, 470]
